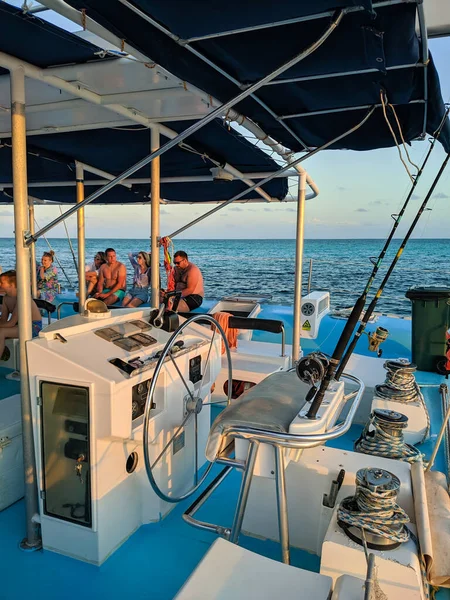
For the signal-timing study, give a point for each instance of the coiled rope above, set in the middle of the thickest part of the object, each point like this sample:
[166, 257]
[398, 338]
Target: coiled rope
[384, 437]
[400, 386]
[376, 510]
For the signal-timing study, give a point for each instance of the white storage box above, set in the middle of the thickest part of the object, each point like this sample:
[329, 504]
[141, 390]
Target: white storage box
[11, 455]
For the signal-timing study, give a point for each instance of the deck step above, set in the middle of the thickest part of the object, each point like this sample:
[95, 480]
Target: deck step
[229, 572]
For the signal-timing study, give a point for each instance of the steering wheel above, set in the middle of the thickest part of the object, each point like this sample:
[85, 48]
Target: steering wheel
[193, 406]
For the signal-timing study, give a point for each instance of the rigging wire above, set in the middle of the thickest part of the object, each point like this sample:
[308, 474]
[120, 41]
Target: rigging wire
[70, 244]
[56, 257]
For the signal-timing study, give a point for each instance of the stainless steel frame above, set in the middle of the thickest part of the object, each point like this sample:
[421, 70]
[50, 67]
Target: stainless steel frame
[218, 112]
[279, 441]
[270, 177]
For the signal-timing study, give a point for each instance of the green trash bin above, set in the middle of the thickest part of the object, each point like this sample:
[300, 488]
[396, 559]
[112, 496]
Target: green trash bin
[430, 321]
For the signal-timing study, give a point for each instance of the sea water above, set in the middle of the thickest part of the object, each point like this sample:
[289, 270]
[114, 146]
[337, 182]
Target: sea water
[267, 266]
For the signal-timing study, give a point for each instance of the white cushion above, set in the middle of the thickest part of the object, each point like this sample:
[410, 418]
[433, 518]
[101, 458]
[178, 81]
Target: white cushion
[229, 572]
[271, 405]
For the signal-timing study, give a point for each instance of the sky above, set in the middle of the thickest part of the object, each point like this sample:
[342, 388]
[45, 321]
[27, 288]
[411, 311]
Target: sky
[358, 193]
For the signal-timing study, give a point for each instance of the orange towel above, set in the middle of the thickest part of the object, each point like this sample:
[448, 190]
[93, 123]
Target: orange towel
[232, 334]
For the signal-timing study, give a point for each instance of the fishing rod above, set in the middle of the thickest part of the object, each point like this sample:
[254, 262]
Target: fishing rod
[397, 219]
[357, 309]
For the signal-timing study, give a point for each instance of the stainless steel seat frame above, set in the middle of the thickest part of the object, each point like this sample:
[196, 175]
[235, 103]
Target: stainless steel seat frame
[280, 442]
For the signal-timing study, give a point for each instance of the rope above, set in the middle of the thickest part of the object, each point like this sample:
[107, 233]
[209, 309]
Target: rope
[167, 244]
[383, 104]
[391, 106]
[386, 439]
[376, 511]
[400, 386]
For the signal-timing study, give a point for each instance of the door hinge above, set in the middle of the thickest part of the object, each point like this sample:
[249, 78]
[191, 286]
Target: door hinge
[38, 400]
[42, 494]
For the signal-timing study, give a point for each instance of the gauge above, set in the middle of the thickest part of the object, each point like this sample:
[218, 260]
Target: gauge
[308, 309]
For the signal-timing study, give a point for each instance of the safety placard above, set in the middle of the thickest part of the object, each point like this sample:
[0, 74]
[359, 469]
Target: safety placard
[306, 326]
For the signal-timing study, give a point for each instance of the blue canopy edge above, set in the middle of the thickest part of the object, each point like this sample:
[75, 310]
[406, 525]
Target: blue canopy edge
[51, 158]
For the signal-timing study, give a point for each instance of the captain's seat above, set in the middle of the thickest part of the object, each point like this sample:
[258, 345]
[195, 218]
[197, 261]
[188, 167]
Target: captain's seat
[270, 419]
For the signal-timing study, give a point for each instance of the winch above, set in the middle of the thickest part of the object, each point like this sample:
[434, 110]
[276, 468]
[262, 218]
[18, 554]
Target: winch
[374, 510]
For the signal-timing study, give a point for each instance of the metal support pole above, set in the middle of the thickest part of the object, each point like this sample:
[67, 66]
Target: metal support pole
[443, 390]
[155, 200]
[247, 477]
[79, 174]
[283, 522]
[33, 271]
[20, 195]
[298, 267]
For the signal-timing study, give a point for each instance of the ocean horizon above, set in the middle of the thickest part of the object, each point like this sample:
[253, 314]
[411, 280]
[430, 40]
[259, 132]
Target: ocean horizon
[255, 266]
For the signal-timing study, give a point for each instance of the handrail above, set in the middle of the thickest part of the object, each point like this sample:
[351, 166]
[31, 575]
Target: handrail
[298, 441]
[58, 308]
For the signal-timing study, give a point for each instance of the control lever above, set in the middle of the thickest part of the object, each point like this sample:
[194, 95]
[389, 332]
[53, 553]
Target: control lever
[163, 318]
[176, 302]
[158, 320]
[329, 500]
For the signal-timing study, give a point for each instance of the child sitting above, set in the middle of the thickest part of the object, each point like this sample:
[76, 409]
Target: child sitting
[8, 318]
[47, 278]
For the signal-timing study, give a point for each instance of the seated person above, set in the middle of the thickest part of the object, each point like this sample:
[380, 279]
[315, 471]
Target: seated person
[8, 319]
[188, 280]
[138, 294]
[92, 272]
[112, 279]
[47, 278]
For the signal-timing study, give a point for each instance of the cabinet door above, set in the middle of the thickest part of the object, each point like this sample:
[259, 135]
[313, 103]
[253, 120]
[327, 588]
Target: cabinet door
[66, 452]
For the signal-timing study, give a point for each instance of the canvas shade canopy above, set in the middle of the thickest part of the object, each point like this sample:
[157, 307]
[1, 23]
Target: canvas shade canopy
[375, 49]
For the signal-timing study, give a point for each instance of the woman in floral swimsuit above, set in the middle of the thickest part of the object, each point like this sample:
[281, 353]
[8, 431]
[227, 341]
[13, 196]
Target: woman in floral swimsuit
[47, 278]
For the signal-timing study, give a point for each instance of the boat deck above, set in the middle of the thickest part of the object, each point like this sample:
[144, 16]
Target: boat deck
[158, 558]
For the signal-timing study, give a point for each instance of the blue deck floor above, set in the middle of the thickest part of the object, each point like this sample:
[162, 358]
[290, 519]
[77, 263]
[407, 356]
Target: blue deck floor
[155, 562]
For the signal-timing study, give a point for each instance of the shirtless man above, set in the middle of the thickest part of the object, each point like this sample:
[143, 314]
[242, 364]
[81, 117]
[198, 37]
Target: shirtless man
[112, 279]
[9, 318]
[188, 280]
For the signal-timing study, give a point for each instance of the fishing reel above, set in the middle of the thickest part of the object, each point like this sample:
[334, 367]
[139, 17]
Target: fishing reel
[376, 338]
[311, 369]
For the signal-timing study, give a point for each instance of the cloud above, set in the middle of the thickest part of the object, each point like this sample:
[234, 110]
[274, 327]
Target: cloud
[361, 210]
[415, 197]
[441, 195]
[341, 188]
[291, 209]
[6, 213]
[378, 203]
[236, 209]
